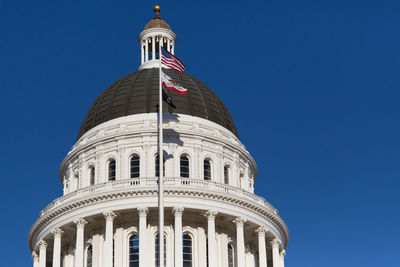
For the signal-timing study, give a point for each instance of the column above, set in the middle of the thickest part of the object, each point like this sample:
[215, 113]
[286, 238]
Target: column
[80, 226]
[282, 258]
[240, 255]
[42, 253]
[153, 47]
[262, 252]
[142, 235]
[146, 50]
[275, 253]
[109, 216]
[57, 232]
[173, 48]
[168, 45]
[212, 243]
[35, 258]
[177, 211]
[141, 52]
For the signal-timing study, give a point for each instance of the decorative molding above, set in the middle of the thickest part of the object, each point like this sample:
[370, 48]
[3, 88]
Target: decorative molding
[109, 215]
[42, 244]
[275, 243]
[57, 232]
[261, 231]
[239, 221]
[177, 211]
[35, 256]
[80, 223]
[143, 211]
[283, 253]
[211, 214]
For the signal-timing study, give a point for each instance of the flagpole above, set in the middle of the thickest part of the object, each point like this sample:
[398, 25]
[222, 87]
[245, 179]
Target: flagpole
[161, 163]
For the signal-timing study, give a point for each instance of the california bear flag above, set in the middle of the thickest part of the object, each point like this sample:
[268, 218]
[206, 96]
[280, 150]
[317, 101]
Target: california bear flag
[171, 84]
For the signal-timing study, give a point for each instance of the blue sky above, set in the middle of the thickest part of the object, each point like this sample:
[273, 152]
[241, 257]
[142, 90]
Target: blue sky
[313, 87]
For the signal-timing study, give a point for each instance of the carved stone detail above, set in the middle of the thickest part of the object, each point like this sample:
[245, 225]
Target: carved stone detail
[261, 231]
[143, 211]
[42, 244]
[239, 221]
[283, 253]
[211, 214]
[109, 215]
[275, 243]
[177, 211]
[35, 256]
[57, 232]
[80, 223]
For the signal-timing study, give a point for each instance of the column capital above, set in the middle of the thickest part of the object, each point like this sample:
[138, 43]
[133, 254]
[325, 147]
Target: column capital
[35, 256]
[275, 243]
[239, 221]
[57, 232]
[177, 211]
[80, 223]
[261, 231]
[109, 215]
[42, 244]
[283, 253]
[211, 214]
[143, 211]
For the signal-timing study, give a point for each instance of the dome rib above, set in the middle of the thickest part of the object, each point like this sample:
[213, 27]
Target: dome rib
[137, 93]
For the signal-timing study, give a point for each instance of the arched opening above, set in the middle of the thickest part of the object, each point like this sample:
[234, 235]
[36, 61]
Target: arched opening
[92, 173]
[187, 250]
[89, 256]
[230, 255]
[157, 166]
[157, 250]
[207, 169]
[134, 251]
[184, 162]
[135, 166]
[111, 170]
[226, 174]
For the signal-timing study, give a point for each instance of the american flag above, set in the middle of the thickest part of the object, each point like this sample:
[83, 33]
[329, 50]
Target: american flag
[172, 61]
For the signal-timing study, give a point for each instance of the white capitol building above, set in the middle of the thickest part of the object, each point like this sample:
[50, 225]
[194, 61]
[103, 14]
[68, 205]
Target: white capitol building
[108, 214]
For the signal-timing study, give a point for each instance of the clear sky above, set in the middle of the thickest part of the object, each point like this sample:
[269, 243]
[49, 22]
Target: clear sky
[313, 87]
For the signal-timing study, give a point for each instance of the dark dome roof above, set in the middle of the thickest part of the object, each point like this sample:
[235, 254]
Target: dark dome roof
[137, 93]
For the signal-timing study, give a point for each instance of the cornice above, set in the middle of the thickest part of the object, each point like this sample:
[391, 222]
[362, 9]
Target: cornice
[267, 212]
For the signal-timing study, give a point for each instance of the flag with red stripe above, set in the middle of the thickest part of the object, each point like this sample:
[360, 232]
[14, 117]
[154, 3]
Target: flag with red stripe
[172, 61]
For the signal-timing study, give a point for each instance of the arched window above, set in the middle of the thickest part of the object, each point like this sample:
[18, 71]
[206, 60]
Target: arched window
[157, 166]
[226, 174]
[187, 250]
[241, 181]
[89, 256]
[207, 169]
[156, 253]
[135, 166]
[134, 251]
[230, 255]
[111, 170]
[184, 166]
[91, 168]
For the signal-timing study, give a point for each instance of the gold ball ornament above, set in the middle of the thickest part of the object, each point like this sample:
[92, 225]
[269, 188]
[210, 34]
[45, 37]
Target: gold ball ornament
[157, 9]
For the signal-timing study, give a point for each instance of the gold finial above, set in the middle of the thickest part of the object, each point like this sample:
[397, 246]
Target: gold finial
[157, 9]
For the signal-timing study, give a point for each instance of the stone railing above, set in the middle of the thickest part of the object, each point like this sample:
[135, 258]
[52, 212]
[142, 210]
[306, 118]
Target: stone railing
[152, 184]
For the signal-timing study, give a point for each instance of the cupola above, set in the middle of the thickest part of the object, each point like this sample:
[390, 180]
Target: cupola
[155, 31]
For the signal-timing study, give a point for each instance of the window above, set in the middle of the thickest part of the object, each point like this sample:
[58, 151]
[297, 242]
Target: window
[187, 250]
[230, 255]
[134, 251]
[157, 245]
[135, 166]
[111, 170]
[91, 168]
[157, 166]
[207, 169]
[226, 174]
[89, 256]
[241, 179]
[184, 166]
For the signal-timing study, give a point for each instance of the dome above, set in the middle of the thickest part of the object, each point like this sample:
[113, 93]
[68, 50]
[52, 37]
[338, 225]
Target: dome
[137, 93]
[157, 21]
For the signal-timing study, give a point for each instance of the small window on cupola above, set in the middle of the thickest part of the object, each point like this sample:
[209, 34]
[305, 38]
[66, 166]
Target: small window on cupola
[92, 173]
[226, 174]
[207, 169]
[184, 162]
[135, 166]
